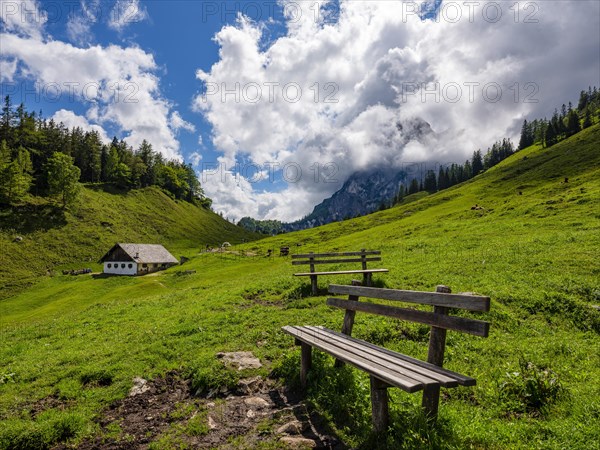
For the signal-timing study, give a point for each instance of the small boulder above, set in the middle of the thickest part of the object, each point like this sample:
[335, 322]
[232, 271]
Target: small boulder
[256, 402]
[18, 239]
[250, 385]
[294, 427]
[139, 387]
[298, 442]
[211, 423]
[241, 360]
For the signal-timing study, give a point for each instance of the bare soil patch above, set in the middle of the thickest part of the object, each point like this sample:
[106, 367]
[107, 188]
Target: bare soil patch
[257, 411]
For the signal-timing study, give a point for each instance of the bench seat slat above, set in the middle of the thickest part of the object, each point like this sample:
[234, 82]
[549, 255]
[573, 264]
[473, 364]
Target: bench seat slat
[463, 380]
[342, 272]
[381, 372]
[400, 365]
[337, 261]
[464, 301]
[470, 326]
[330, 255]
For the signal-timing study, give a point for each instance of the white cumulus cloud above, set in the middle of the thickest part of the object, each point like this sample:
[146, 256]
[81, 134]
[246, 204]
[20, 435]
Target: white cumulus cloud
[355, 92]
[71, 120]
[125, 13]
[118, 85]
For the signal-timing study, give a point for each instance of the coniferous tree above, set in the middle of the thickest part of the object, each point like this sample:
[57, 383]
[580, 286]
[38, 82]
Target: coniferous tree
[413, 188]
[587, 121]
[527, 136]
[477, 163]
[442, 180]
[15, 174]
[430, 183]
[63, 178]
[573, 123]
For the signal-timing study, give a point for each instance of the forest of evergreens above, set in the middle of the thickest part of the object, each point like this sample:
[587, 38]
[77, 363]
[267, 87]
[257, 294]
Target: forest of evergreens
[43, 158]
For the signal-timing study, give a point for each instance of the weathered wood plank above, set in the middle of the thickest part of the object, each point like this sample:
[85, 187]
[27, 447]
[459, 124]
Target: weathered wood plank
[341, 272]
[391, 359]
[470, 326]
[462, 301]
[463, 380]
[336, 261]
[329, 255]
[382, 372]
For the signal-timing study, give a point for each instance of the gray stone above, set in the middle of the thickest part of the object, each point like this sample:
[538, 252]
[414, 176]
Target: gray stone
[250, 385]
[211, 423]
[256, 402]
[298, 442]
[241, 360]
[139, 387]
[294, 427]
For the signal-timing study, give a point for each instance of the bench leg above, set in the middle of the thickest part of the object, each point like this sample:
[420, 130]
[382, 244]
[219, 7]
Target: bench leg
[367, 279]
[431, 401]
[305, 362]
[379, 404]
[313, 282]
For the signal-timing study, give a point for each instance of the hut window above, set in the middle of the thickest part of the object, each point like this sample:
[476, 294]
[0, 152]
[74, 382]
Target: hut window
[122, 265]
[109, 265]
[144, 265]
[130, 265]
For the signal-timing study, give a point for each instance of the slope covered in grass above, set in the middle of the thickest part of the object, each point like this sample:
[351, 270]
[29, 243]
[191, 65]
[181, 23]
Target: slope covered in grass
[78, 237]
[533, 249]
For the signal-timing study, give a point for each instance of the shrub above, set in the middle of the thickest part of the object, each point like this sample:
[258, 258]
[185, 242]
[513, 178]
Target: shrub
[530, 390]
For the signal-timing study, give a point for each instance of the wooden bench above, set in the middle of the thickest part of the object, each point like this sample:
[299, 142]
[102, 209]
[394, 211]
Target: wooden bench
[388, 368]
[361, 257]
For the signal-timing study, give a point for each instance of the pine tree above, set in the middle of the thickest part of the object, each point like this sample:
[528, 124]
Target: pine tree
[413, 188]
[63, 178]
[527, 137]
[587, 121]
[15, 175]
[430, 183]
[573, 126]
[442, 180]
[550, 137]
[477, 163]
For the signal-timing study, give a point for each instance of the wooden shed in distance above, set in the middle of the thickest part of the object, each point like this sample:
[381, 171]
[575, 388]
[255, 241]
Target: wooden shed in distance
[137, 259]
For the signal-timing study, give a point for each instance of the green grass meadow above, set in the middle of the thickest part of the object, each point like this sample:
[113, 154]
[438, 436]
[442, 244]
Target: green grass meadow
[534, 249]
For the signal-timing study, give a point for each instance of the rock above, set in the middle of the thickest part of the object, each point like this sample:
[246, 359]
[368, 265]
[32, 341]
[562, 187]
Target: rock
[241, 360]
[293, 427]
[256, 402]
[18, 239]
[139, 387]
[250, 385]
[210, 405]
[298, 442]
[250, 414]
[211, 423]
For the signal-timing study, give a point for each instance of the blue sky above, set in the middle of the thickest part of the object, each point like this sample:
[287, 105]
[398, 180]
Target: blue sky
[341, 85]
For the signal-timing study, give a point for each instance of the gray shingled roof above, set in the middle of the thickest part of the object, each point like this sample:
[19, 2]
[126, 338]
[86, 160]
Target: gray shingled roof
[147, 253]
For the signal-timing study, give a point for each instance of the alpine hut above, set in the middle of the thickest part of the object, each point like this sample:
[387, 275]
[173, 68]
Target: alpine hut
[137, 259]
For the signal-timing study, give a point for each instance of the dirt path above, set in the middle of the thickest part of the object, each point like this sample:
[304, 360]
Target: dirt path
[167, 415]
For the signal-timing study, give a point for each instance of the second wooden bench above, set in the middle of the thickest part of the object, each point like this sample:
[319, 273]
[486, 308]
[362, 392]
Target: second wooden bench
[362, 257]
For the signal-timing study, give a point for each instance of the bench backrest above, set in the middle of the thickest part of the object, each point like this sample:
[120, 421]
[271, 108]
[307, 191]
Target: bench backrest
[362, 256]
[438, 318]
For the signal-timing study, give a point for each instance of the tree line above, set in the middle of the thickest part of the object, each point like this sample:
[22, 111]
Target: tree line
[43, 158]
[563, 124]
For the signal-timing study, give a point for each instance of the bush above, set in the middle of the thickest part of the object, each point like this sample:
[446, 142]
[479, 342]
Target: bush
[530, 390]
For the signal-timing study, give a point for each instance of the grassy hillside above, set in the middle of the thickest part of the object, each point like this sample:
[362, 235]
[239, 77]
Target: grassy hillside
[55, 239]
[533, 249]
